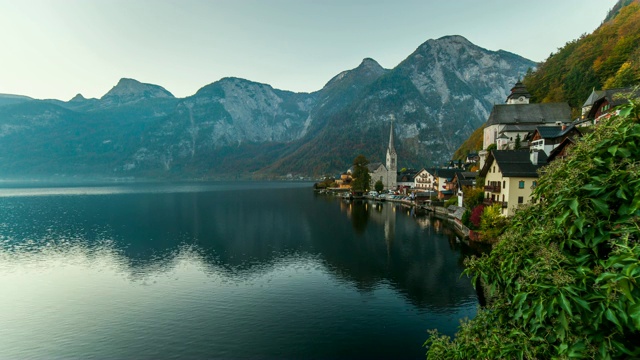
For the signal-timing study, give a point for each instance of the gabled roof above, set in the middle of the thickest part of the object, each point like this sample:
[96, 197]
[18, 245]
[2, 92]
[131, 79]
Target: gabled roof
[554, 132]
[559, 149]
[595, 96]
[514, 163]
[529, 113]
[615, 96]
[468, 175]
[374, 166]
[429, 171]
[446, 173]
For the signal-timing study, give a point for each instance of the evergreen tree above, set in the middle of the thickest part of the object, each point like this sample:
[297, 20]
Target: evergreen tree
[361, 177]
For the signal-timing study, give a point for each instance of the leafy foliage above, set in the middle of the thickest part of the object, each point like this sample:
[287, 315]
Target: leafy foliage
[566, 274]
[361, 177]
[476, 216]
[473, 196]
[607, 58]
[378, 186]
[472, 144]
[492, 223]
[451, 201]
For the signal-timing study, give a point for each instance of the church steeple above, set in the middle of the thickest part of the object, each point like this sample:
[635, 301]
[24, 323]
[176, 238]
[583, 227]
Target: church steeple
[392, 157]
[519, 94]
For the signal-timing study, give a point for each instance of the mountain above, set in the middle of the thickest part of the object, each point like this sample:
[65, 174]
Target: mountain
[607, 58]
[7, 99]
[129, 91]
[437, 97]
[234, 127]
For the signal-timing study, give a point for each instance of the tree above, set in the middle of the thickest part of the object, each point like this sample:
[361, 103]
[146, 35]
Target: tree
[492, 223]
[361, 178]
[378, 186]
[518, 143]
[473, 196]
[565, 273]
[476, 216]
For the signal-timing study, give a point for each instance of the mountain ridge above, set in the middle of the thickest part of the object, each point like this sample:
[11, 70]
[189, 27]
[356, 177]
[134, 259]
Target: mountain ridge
[437, 96]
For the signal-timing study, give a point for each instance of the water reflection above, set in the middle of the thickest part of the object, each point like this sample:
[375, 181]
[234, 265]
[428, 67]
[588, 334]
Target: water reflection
[314, 270]
[236, 232]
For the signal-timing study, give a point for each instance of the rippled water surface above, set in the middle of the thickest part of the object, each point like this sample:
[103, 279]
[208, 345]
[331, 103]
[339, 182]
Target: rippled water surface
[220, 270]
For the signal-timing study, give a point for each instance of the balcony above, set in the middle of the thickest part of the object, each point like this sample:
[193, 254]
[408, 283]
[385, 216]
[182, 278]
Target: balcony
[489, 202]
[492, 188]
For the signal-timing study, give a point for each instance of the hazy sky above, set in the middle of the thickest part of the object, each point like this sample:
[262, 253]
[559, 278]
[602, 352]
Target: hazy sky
[56, 49]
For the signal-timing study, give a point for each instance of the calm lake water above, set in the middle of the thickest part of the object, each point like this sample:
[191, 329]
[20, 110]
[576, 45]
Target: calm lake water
[219, 270]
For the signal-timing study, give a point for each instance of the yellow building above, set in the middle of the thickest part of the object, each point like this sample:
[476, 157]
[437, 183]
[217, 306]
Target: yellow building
[510, 177]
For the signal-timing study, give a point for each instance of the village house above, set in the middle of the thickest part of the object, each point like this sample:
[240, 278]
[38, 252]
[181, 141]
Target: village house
[406, 180]
[425, 180]
[517, 118]
[461, 180]
[444, 185]
[600, 103]
[510, 177]
[547, 138]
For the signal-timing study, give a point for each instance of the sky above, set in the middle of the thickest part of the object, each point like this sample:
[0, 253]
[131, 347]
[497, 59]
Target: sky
[59, 48]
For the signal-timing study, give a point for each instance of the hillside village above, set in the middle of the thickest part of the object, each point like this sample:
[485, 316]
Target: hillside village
[519, 139]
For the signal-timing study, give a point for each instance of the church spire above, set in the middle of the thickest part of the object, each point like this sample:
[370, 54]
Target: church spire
[391, 149]
[392, 157]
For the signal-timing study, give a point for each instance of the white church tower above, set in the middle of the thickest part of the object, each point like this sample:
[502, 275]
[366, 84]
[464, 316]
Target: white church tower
[392, 163]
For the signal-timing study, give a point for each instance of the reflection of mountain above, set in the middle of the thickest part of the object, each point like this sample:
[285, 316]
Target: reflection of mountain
[245, 232]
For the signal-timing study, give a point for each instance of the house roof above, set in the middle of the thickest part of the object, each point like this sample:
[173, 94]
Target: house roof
[553, 132]
[468, 174]
[406, 177]
[446, 173]
[529, 113]
[514, 163]
[615, 96]
[595, 96]
[558, 149]
[374, 166]
[467, 182]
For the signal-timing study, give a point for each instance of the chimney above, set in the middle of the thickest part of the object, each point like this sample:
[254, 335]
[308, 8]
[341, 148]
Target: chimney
[534, 157]
[564, 127]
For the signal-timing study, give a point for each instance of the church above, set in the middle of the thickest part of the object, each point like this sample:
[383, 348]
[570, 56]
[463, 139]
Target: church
[387, 173]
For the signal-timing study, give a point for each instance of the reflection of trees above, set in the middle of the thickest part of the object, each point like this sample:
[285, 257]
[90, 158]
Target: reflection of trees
[359, 216]
[420, 263]
[242, 233]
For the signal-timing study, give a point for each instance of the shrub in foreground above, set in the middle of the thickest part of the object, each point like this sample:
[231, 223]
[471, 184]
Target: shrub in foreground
[565, 275]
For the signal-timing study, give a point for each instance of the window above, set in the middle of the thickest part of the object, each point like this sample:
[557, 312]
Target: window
[504, 184]
[521, 184]
[494, 169]
[520, 200]
[534, 184]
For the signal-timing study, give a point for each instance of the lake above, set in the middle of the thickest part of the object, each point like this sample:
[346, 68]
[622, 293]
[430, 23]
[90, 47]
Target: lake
[221, 270]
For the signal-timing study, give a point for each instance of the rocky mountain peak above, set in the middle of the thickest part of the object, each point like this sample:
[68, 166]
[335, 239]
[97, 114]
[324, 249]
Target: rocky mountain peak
[370, 65]
[78, 98]
[130, 90]
[368, 71]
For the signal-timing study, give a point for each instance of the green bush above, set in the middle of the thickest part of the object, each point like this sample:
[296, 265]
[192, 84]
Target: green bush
[492, 223]
[565, 276]
[451, 201]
